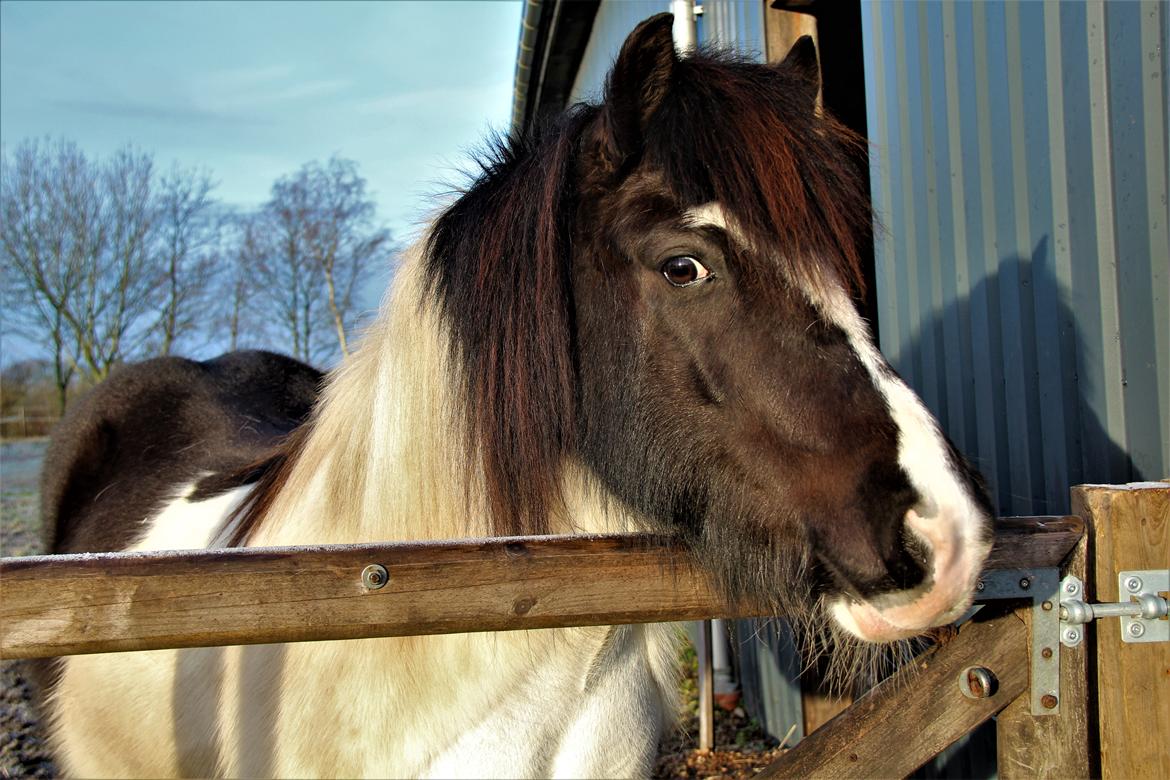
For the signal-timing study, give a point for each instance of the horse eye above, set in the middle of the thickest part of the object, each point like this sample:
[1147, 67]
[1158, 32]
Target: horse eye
[683, 270]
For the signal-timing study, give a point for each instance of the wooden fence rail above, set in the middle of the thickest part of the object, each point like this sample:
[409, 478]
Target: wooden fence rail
[69, 604]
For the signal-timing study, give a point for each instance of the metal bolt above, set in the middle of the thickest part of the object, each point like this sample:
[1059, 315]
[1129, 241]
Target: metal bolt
[1046, 606]
[1070, 587]
[1048, 701]
[977, 682]
[1072, 635]
[1136, 629]
[1046, 652]
[979, 586]
[375, 576]
[1133, 584]
[1025, 583]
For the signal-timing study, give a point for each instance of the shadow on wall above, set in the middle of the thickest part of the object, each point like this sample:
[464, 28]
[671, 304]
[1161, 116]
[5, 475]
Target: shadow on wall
[1027, 402]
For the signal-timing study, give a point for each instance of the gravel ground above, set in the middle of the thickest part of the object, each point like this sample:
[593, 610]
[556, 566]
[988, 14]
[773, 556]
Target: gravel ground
[23, 752]
[741, 747]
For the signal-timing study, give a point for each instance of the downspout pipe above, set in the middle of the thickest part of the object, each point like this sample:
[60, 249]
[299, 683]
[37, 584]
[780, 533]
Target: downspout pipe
[685, 29]
[529, 30]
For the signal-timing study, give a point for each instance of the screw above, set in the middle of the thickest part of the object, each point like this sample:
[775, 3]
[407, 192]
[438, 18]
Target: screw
[1136, 629]
[375, 576]
[1070, 587]
[1046, 606]
[1025, 583]
[1133, 584]
[1046, 652]
[979, 586]
[1048, 701]
[1072, 635]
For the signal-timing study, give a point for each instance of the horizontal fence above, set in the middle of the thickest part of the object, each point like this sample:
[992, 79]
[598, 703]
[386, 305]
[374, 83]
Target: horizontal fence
[92, 603]
[23, 426]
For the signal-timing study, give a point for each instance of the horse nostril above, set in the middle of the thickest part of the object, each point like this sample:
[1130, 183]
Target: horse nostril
[909, 566]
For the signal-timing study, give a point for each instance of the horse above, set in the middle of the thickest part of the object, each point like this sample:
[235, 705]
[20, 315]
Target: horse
[641, 315]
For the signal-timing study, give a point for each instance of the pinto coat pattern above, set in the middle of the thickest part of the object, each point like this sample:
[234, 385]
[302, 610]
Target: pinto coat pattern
[639, 316]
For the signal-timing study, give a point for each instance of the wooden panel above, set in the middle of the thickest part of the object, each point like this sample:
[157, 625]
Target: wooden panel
[61, 605]
[1063, 746]
[784, 28]
[1026, 542]
[912, 716]
[1131, 530]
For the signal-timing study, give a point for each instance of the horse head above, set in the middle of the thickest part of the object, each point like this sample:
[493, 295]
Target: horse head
[663, 287]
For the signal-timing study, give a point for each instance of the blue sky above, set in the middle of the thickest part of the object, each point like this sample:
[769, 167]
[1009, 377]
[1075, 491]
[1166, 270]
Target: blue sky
[253, 90]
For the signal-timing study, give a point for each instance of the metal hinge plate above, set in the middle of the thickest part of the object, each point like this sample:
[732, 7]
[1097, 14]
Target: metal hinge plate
[1040, 586]
[1140, 585]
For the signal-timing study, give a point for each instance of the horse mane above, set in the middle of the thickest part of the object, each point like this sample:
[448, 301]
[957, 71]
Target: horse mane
[498, 264]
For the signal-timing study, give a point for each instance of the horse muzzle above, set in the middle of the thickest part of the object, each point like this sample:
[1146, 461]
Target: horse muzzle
[956, 558]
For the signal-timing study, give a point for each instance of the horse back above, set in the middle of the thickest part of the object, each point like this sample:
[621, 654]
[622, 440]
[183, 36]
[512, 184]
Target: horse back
[120, 453]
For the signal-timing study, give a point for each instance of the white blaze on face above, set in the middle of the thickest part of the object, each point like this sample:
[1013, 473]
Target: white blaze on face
[947, 517]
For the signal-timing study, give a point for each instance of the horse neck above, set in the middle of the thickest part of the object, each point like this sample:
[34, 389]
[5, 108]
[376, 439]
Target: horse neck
[385, 456]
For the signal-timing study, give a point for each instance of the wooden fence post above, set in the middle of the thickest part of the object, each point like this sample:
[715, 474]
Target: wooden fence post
[1130, 531]
[1065, 745]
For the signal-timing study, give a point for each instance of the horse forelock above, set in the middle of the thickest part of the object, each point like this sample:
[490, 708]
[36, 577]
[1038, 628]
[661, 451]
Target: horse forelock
[749, 137]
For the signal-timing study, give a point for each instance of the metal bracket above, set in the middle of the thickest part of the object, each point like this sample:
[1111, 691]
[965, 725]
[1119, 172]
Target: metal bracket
[1143, 617]
[1040, 586]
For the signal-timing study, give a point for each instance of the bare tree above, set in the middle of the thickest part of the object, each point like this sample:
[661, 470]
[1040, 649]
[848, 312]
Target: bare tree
[103, 260]
[324, 244]
[187, 245]
[241, 306]
[51, 229]
[343, 239]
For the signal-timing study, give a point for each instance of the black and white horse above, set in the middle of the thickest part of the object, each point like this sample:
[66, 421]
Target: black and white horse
[641, 316]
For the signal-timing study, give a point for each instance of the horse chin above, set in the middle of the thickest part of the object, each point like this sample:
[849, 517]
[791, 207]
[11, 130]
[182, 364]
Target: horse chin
[870, 624]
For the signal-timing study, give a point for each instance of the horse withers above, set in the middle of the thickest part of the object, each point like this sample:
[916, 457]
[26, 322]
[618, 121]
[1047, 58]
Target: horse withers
[640, 316]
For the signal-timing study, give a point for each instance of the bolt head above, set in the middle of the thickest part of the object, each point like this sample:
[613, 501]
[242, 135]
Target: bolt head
[1046, 606]
[1048, 701]
[1070, 587]
[1136, 629]
[375, 576]
[1133, 584]
[977, 682]
[980, 586]
[1046, 652]
[1025, 583]
[1071, 634]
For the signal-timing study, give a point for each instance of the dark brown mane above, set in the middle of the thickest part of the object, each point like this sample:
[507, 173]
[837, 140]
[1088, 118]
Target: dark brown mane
[747, 137]
[497, 263]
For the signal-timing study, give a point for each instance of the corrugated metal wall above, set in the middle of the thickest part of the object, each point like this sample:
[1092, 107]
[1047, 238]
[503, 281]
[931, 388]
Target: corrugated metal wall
[1020, 168]
[735, 24]
[612, 24]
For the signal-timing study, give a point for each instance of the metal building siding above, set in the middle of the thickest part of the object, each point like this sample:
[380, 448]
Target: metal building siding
[734, 24]
[1020, 170]
[613, 23]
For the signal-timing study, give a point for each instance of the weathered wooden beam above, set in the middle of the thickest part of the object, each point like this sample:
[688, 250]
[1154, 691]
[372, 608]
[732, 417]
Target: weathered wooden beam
[1130, 532]
[911, 717]
[69, 604]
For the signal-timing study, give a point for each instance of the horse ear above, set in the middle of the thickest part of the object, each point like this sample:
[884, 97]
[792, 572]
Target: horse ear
[638, 83]
[801, 62]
